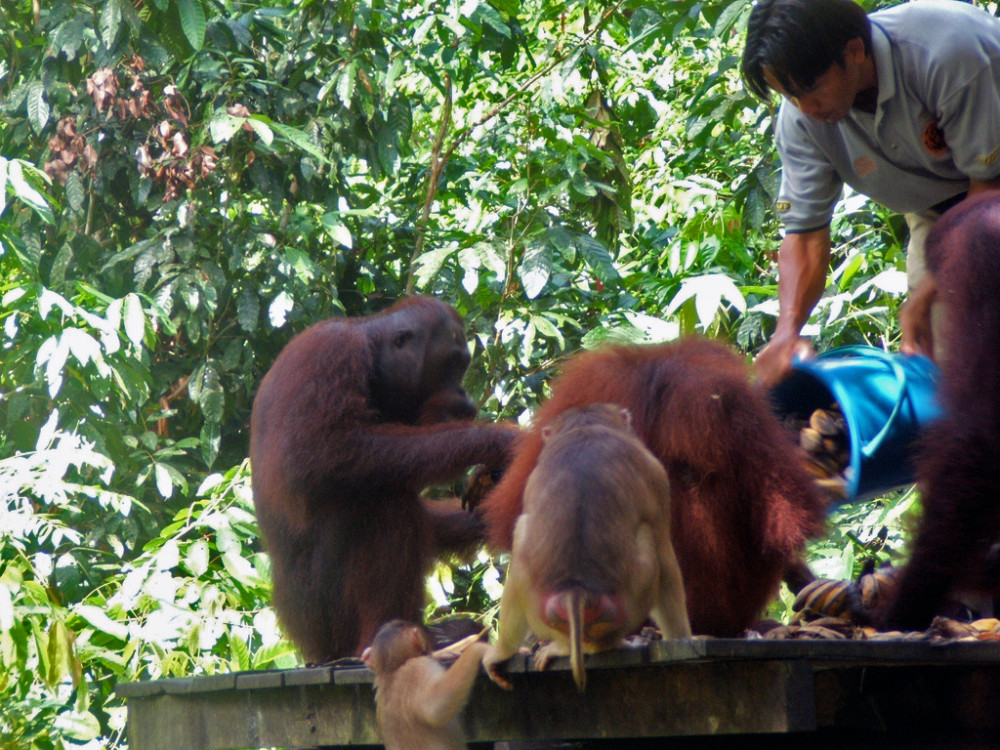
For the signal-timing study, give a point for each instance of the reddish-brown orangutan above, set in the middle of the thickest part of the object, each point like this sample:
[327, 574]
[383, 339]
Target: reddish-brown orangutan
[742, 503]
[418, 700]
[592, 559]
[956, 546]
[354, 419]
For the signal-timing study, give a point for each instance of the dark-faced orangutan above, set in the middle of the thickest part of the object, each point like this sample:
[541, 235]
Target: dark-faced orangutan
[742, 503]
[355, 418]
[958, 473]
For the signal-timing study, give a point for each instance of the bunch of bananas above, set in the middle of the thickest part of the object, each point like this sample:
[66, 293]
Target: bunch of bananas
[825, 439]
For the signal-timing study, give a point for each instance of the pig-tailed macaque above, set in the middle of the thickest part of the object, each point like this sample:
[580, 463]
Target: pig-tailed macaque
[592, 559]
[418, 699]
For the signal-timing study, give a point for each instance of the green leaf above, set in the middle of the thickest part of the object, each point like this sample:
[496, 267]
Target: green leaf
[164, 484]
[429, 264]
[223, 126]
[68, 37]
[708, 291]
[25, 192]
[238, 567]
[193, 24]
[196, 558]
[545, 327]
[262, 129]
[488, 14]
[3, 184]
[248, 310]
[110, 22]
[654, 330]
[210, 438]
[400, 120]
[345, 84]
[239, 653]
[849, 269]
[267, 655]
[75, 193]
[535, 269]
[297, 138]
[62, 658]
[100, 620]
[388, 152]
[302, 266]
[730, 16]
[38, 108]
[6, 608]
[281, 305]
[597, 257]
[78, 725]
[135, 320]
[337, 230]
[206, 390]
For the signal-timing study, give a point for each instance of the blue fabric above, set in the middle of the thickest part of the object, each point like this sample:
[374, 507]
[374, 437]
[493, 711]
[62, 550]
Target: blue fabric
[886, 400]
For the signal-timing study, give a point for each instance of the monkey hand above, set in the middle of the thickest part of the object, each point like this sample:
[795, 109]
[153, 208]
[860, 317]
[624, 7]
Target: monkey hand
[547, 652]
[491, 662]
[482, 480]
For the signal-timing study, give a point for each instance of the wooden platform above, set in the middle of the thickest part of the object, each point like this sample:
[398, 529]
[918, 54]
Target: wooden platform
[800, 693]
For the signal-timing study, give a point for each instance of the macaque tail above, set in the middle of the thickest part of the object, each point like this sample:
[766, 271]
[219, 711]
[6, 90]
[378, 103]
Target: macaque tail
[576, 601]
[584, 617]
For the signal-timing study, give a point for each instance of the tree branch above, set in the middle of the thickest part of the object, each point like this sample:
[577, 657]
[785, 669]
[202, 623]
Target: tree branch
[438, 161]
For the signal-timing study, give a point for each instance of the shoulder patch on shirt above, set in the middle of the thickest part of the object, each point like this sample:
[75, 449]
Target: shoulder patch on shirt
[933, 138]
[783, 206]
[989, 158]
[864, 166]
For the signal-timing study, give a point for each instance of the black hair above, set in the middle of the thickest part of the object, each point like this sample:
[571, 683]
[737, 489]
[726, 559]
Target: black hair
[796, 41]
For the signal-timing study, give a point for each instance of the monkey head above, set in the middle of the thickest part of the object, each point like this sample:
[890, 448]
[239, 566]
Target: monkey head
[395, 643]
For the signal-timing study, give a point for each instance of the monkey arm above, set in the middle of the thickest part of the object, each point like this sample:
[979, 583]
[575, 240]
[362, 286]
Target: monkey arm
[513, 626]
[670, 609]
[455, 530]
[417, 456]
[371, 458]
[447, 693]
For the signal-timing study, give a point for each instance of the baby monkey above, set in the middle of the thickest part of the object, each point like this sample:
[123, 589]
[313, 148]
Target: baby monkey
[418, 700]
[592, 557]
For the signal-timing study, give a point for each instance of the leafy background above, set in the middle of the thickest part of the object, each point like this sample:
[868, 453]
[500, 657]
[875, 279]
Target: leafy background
[184, 184]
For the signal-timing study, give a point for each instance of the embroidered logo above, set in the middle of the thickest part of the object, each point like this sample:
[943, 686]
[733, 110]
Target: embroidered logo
[933, 138]
[989, 158]
[864, 166]
[784, 206]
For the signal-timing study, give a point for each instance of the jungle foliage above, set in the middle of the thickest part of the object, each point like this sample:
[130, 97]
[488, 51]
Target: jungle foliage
[184, 184]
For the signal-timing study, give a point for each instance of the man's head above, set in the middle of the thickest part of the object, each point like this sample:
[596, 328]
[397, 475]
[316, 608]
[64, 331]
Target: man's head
[803, 47]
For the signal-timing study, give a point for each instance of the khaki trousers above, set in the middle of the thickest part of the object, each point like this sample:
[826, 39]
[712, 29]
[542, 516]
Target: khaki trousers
[920, 224]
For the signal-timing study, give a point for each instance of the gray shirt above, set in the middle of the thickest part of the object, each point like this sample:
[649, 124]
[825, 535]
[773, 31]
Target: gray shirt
[936, 124]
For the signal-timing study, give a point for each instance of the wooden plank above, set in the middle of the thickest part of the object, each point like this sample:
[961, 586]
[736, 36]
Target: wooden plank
[683, 699]
[303, 716]
[698, 688]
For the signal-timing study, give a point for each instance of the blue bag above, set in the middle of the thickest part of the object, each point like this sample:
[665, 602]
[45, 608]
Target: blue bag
[886, 400]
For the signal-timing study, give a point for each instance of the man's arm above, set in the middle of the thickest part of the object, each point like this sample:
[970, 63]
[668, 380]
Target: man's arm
[916, 328]
[803, 263]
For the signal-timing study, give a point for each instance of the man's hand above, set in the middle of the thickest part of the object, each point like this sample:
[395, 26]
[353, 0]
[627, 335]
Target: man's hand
[774, 362]
[803, 260]
[915, 320]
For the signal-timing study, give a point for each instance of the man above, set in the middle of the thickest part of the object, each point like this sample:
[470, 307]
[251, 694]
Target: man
[902, 105]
